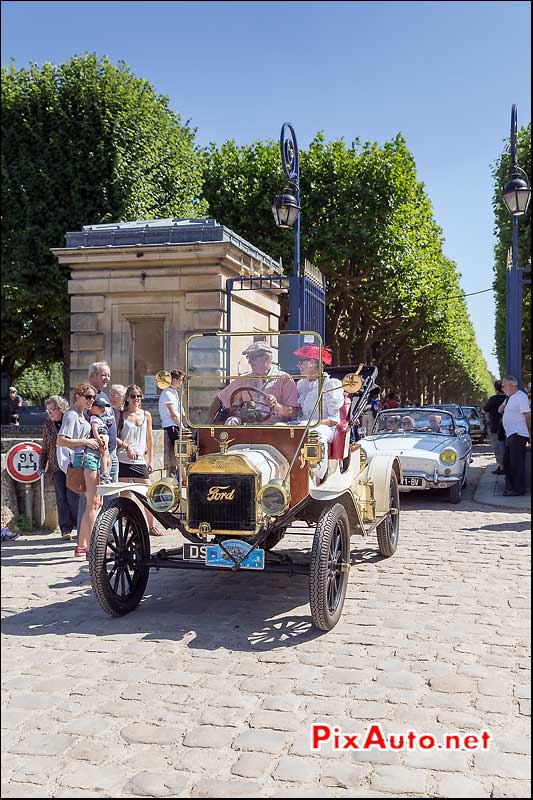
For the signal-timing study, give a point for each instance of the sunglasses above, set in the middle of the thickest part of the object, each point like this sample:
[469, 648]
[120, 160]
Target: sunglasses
[136, 396]
[90, 396]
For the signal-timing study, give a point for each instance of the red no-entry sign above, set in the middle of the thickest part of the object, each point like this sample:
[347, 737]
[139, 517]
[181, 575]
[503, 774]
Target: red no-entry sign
[22, 462]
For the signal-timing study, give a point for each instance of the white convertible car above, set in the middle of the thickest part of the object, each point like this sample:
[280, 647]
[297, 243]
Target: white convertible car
[434, 452]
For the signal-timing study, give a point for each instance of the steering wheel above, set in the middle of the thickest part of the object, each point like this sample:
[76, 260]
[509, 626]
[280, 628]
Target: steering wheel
[252, 404]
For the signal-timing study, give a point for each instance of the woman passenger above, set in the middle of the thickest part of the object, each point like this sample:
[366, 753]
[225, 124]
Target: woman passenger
[328, 415]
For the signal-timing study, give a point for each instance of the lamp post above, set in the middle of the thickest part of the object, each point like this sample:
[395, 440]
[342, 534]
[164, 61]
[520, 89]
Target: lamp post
[516, 196]
[286, 210]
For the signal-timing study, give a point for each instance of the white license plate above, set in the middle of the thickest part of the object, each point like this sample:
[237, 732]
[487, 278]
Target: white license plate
[412, 482]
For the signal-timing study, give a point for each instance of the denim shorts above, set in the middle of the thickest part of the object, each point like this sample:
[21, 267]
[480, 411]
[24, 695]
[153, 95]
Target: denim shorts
[92, 460]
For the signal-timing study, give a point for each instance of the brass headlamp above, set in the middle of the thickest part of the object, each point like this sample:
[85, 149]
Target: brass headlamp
[164, 495]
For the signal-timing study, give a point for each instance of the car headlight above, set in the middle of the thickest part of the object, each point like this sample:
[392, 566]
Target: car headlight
[448, 456]
[274, 499]
[164, 495]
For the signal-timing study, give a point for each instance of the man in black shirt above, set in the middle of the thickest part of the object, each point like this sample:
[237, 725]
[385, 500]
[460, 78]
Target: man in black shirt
[491, 407]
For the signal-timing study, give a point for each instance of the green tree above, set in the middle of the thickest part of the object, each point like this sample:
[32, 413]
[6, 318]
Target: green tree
[37, 383]
[503, 234]
[84, 142]
[393, 299]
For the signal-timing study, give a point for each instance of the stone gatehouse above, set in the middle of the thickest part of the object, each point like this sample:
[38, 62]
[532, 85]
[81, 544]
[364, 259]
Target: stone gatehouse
[139, 289]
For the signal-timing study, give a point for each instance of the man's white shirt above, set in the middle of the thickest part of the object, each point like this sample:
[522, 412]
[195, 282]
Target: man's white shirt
[513, 416]
[169, 395]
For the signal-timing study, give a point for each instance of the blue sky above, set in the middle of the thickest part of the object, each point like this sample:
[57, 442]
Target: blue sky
[445, 74]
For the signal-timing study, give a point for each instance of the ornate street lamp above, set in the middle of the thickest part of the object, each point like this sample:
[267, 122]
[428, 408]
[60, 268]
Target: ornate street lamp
[286, 210]
[517, 193]
[516, 196]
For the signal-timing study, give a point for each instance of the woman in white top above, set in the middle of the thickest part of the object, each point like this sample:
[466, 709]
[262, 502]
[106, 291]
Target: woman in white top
[136, 454]
[328, 416]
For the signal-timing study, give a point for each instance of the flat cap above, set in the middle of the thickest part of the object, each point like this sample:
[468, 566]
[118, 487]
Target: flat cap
[257, 347]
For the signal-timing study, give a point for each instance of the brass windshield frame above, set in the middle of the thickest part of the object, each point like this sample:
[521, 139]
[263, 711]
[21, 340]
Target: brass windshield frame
[303, 425]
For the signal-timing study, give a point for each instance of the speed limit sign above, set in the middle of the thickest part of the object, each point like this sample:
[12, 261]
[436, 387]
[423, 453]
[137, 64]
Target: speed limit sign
[22, 462]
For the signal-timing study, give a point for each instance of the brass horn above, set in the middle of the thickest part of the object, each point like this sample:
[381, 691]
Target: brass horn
[163, 379]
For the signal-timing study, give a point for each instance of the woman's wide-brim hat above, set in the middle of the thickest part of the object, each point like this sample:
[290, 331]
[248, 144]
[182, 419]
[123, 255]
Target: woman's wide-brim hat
[313, 351]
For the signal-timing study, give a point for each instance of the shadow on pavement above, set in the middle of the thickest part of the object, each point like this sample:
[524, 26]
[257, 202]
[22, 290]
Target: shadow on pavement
[506, 527]
[241, 611]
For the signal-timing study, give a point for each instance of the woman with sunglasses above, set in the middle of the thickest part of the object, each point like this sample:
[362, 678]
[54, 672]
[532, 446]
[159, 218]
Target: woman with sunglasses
[74, 434]
[136, 451]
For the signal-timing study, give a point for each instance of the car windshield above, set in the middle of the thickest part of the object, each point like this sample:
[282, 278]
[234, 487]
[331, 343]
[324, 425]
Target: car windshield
[254, 379]
[471, 413]
[414, 420]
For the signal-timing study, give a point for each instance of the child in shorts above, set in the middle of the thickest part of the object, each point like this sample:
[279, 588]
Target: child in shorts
[100, 433]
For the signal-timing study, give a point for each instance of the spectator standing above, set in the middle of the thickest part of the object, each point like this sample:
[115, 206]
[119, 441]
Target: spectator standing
[170, 407]
[516, 421]
[14, 404]
[116, 397]
[491, 408]
[391, 401]
[99, 375]
[136, 454]
[74, 435]
[55, 460]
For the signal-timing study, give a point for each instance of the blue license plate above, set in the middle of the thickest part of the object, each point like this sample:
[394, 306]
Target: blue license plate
[216, 557]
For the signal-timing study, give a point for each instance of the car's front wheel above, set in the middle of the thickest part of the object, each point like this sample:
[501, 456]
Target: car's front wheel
[455, 492]
[330, 565]
[119, 547]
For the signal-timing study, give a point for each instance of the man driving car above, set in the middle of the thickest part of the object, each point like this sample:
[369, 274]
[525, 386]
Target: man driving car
[279, 402]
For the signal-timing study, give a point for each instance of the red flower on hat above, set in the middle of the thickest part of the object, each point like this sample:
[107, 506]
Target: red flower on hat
[313, 351]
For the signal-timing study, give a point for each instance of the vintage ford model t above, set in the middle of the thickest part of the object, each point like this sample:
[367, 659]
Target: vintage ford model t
[259, 451]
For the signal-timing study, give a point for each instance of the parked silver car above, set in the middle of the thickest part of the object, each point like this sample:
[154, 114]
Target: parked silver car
[476, 426]
[434, 451]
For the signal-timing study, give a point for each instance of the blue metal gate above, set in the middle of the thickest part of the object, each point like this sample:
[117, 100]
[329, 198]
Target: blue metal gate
[307, 296]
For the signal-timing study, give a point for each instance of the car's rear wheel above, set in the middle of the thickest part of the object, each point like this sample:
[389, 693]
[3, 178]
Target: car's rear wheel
[388, 529]
[330, 565]
[119, 546]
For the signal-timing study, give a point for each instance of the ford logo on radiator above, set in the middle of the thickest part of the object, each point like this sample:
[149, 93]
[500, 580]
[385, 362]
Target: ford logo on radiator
[217, 493]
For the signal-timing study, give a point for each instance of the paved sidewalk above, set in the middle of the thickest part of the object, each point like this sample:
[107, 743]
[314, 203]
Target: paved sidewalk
[490, 491]
[209, 688]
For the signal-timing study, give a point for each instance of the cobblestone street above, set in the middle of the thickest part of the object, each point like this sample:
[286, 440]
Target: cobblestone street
[209, 688]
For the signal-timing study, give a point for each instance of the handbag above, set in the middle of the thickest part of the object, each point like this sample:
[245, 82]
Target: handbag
[76, 478]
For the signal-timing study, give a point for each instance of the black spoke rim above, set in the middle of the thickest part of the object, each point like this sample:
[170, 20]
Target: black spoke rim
[334, 579]
[123, 556]
[394, 520]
